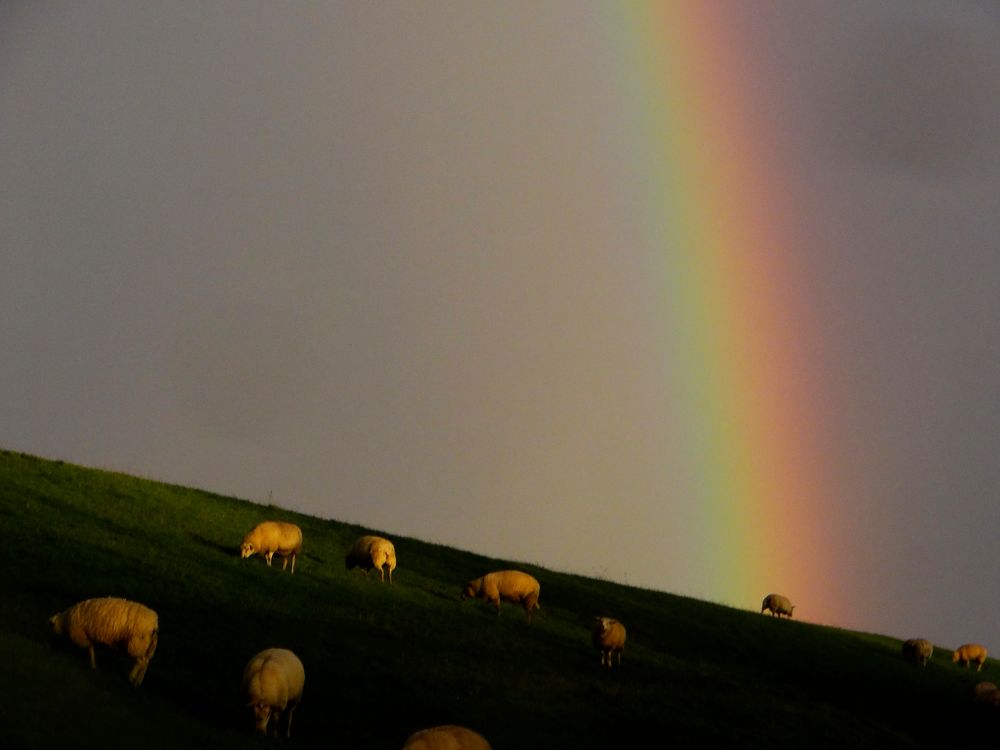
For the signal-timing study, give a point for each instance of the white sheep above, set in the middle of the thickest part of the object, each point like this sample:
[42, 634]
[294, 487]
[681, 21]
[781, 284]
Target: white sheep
[113, 622]
[918, 651]
[370, 552]
[608, 636]
[968, 653]
[272, 538]
[508, 585]
[778, 605]
[446, 737]
[986, 694]
[272, 684]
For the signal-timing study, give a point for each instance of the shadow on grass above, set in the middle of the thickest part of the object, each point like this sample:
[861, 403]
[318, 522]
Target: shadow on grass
[231, 551]
[438, 594]
[226, 549]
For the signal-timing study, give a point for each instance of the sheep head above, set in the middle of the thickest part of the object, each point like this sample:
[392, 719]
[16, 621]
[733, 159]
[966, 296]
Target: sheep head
[261, 715]
[471, 589]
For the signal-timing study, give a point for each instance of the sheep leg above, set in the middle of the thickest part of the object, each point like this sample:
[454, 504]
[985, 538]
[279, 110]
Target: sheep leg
[268, 556]
[293, 564]
[93, 659]
[138, 672]
[288, 726]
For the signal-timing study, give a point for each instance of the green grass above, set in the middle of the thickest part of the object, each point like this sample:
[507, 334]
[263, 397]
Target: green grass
[382, 661]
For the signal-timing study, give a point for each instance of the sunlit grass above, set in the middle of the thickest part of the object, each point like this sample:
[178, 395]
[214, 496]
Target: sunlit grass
[382, 661]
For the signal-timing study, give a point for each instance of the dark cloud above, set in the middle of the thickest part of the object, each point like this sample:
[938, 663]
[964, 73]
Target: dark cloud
[921, 93]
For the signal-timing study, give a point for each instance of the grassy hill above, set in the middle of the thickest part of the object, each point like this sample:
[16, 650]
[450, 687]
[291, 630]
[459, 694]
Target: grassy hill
[382, 661]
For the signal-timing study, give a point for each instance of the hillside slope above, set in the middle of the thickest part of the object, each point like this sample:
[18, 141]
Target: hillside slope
[382, 661]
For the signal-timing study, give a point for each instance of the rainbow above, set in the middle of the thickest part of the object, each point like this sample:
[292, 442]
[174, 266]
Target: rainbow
[716, 202]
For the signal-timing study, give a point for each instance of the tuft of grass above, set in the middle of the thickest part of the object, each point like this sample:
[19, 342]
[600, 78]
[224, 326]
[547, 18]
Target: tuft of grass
[382, 661]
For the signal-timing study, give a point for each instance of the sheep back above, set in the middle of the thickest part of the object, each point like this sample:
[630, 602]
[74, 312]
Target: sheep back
[271, 538]
[968, 653]
[446, 737]
[114, 622]
[986, 695]
[984, 692]
[507, 585]
[272, 683]
[608, 636]
[778, 605]
[372, 552]
[917, 650]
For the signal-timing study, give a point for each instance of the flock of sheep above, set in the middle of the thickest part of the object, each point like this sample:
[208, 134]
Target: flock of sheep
[274, 678]
[919, 651]
[915, 650]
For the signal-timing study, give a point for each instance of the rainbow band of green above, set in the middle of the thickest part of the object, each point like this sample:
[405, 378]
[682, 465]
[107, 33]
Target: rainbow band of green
[718, 211]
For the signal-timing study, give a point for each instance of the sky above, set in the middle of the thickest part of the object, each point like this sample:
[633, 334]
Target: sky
[418, 266]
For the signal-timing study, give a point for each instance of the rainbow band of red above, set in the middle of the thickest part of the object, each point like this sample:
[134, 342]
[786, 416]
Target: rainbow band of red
[719, 211]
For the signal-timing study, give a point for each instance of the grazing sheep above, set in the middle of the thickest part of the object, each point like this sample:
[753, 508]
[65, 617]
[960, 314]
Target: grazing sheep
[986, 694]
[272, 538]
[509, 585]
[113, 622]
[968, 653]
[609, 638]
[982, 690]
[918, 651]
[369, 552]
[272, 685]
[778, 604]
[446, 737]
